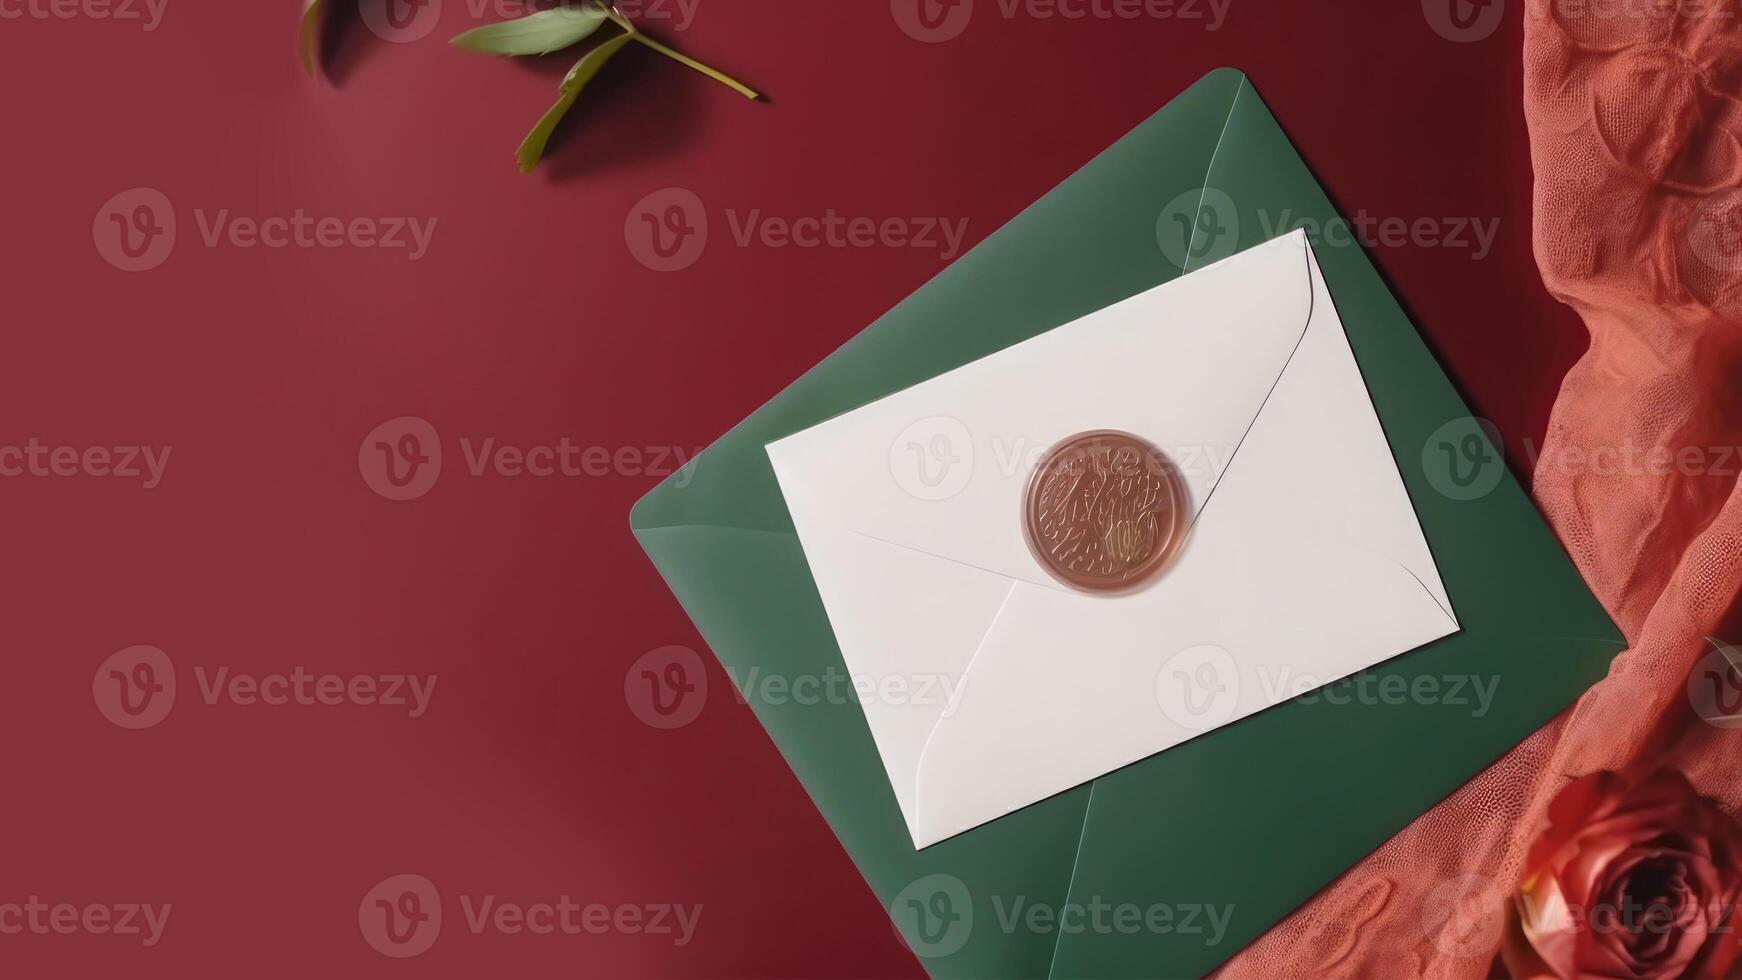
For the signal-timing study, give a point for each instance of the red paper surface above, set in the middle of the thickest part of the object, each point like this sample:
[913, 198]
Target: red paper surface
[536, 315]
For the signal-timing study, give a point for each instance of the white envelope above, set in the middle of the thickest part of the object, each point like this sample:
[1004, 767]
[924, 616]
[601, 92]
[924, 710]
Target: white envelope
[987, 684]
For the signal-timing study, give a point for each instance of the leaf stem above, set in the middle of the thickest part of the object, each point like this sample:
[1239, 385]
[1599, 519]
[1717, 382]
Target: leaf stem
[679, 57]
[716, 75]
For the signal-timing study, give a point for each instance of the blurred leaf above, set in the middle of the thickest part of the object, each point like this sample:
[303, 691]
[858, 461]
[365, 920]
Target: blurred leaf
[532, 148]
[540, 33]
[308, 35]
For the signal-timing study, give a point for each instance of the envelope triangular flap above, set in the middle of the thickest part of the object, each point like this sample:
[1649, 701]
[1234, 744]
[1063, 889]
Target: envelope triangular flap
[910, 650]
[1186, 365]
[1306, 565]
[912, 586]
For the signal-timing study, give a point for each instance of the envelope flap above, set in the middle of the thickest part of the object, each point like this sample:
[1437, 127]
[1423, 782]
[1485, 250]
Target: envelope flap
[942, 467]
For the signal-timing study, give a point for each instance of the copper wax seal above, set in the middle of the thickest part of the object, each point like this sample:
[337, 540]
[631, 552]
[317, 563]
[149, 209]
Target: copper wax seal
[1105, 511]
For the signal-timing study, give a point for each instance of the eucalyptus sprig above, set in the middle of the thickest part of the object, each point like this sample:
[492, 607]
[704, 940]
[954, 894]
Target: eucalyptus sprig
[563, 27]
[539, 34]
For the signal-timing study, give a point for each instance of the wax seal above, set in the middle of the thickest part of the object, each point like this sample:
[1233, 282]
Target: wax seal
[1105, 511]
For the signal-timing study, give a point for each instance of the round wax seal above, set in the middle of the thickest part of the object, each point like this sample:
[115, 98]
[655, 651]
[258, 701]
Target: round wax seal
[1105, 511]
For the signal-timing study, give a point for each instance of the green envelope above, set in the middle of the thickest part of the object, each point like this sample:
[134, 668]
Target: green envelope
[1232, 830]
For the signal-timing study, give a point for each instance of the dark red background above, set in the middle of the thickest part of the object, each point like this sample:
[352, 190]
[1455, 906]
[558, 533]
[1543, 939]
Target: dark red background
[530, 321]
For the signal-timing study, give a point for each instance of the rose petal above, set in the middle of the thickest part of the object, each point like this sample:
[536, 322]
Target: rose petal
[1522, 959]
[1549, 925]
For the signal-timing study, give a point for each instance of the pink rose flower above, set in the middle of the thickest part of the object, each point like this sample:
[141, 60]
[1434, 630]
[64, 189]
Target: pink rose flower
[1633, 878]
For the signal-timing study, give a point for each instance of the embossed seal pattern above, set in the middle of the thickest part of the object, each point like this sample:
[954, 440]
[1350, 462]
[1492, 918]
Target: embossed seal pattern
[1105, 511]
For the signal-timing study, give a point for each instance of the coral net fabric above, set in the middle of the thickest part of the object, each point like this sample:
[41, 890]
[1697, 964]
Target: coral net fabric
[1636, 142]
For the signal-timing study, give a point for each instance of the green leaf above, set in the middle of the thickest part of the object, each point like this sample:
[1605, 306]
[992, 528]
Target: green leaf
[308, 35]
[540, 33]
[532, 148]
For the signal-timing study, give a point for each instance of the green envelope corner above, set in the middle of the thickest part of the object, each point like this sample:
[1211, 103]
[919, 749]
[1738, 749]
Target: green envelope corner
[1170, 865]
